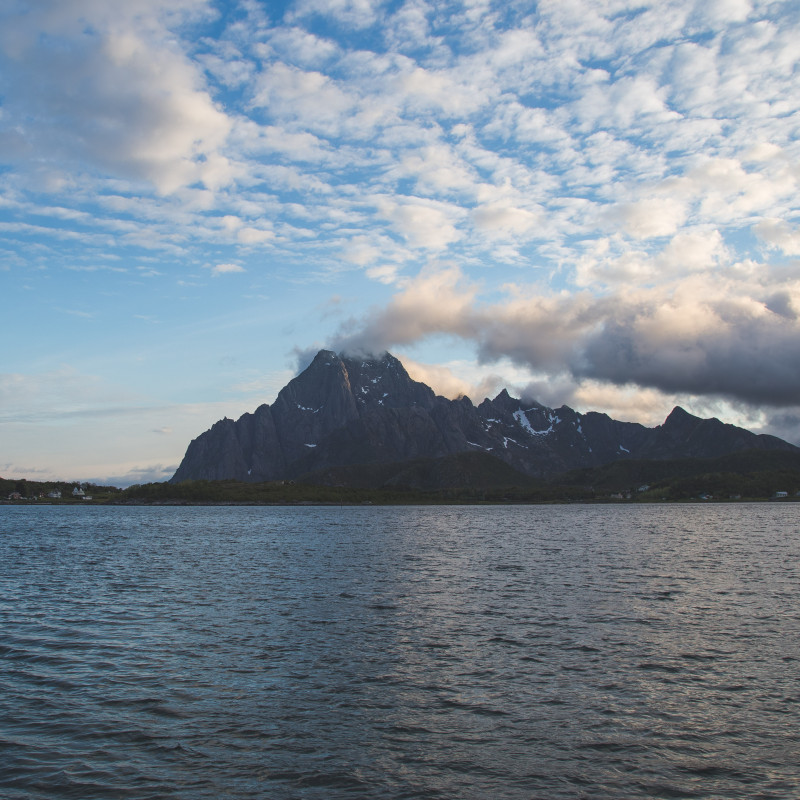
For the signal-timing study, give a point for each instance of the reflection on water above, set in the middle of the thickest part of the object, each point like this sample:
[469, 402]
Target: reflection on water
[471, 652]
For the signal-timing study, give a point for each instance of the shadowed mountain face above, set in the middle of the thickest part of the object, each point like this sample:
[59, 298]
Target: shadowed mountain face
[344, 411]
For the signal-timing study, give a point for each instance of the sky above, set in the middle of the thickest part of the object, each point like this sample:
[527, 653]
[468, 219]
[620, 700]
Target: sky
[590, 203]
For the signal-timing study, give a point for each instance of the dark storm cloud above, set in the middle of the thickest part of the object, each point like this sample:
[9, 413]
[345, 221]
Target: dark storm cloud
[756, 360]
[733, 348]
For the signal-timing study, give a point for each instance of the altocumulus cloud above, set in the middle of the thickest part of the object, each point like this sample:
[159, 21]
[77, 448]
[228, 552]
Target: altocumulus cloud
[599, 198]
[226, 269]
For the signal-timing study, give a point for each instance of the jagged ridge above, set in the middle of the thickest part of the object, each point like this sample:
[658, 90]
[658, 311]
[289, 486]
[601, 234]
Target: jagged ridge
[343, 411]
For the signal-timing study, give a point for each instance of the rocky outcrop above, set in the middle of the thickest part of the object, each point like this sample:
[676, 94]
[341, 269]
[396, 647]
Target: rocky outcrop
[343, 411]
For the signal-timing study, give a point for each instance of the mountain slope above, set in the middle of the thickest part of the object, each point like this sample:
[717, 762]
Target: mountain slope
[343, 411]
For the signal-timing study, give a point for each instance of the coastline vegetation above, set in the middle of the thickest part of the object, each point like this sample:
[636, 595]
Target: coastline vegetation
[55, 491]
[747, 476]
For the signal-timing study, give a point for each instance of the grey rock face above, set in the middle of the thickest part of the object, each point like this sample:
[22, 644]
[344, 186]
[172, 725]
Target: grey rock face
[344, 411]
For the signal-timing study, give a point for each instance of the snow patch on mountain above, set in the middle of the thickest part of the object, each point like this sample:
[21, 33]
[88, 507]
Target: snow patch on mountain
[523, 420]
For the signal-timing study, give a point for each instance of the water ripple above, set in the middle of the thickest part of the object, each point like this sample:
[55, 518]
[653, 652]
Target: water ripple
[548, 652]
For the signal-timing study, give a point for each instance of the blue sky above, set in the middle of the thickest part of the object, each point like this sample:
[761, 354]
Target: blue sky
[591, 203]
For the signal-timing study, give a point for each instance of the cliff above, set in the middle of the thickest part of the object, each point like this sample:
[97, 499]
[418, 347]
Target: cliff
[343, 411]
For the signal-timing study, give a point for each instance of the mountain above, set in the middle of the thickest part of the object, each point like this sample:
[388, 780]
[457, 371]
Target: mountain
[345, 412]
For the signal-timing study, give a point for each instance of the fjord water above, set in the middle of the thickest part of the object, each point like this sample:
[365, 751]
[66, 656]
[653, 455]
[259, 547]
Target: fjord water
[432, 652]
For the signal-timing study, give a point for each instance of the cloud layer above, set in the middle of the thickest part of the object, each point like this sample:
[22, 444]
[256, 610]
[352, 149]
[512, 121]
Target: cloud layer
[602, 196]
[694, 337]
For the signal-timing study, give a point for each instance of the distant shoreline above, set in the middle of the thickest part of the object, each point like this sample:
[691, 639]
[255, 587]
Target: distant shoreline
[395, 503]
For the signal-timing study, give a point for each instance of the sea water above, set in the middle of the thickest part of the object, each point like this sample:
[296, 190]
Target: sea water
[648, 651]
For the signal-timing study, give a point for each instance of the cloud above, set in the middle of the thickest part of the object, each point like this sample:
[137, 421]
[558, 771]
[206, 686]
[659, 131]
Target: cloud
[302, 47]
[435, 302]
[350, 13]
[438, 170]
[297, 146]
[706, 344]
[621, 104]
[784, 424]
[693, 251]
[720, 12]
[311, 97]
[652, 217]
[249, 235]
[423, 89]
[612, 262]
[781, 303]
[445, 382]
[384, 274]
[779, 235]
[324, 123]
[700, 337]
[617, 182]
[500, 220]
[106, 89]
[226, 269]
[423, 224]
[626, 402]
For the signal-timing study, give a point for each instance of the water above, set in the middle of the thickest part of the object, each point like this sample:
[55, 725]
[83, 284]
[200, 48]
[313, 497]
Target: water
[446, 652]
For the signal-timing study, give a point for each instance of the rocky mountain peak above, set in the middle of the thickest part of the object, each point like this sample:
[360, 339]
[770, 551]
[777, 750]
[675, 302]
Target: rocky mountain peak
[324, 384]
[679, 419]
[503, 403]
[348, 409]
[383, 380]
